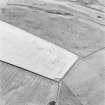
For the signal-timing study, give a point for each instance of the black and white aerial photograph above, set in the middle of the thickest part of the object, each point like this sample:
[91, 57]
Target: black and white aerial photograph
[52, 52]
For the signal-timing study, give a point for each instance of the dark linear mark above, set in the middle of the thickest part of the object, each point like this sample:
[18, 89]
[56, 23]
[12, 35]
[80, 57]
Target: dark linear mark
[41, 76]
[58, 12]
[94, 52]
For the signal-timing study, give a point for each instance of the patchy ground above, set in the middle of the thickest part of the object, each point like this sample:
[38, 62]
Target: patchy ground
[65, 29]
[80, 33]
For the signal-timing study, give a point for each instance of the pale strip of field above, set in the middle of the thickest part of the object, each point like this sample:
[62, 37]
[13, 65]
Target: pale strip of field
[32, 53]
[3, 3]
